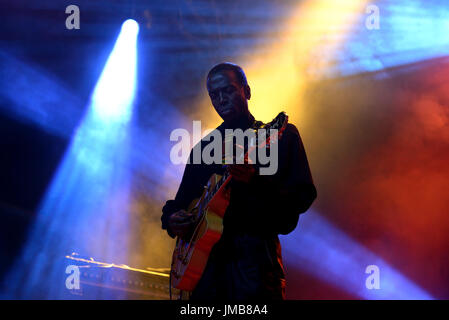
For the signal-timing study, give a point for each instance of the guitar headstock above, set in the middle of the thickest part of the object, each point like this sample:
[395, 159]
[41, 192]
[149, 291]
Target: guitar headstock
[279, 123]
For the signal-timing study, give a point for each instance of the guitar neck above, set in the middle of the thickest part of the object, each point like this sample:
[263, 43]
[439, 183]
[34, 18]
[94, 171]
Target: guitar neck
[279, 123]
[217, 187]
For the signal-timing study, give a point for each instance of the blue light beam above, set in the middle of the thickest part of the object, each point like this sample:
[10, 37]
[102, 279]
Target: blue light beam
[409, 32]
[86, 207]
[328, 254]
[116, 87]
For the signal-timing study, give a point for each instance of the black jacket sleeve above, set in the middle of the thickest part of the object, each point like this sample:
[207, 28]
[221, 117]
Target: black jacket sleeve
[181, 201]
[282, 197]
[192, 185]
[269, 204]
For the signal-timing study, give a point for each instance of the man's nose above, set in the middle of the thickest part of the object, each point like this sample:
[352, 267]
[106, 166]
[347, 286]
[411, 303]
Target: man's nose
[221, 97]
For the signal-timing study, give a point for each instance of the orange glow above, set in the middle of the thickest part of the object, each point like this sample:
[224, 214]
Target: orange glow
[305, 47]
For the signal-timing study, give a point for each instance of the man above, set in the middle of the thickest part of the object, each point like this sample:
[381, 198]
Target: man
[246, 263]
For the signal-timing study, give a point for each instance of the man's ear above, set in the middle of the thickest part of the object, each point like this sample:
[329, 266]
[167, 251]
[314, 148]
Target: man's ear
[247, 91]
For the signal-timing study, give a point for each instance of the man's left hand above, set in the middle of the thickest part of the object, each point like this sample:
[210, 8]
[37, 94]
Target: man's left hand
[242, 172]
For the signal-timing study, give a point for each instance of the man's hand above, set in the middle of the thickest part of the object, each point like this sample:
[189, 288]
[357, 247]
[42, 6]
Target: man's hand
[242, 172]
[181, 223]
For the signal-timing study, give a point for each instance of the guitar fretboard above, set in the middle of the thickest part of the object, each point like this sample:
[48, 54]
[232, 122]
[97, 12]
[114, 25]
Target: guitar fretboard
[217, 187]
[279, 124]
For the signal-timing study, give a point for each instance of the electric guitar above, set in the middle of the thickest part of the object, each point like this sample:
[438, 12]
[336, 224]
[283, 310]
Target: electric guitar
[190, 256]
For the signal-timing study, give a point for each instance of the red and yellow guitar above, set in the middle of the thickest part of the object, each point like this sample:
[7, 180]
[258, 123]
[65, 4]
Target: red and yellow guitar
[190, 256]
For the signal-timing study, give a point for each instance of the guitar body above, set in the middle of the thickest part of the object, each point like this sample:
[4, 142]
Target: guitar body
[190, 257]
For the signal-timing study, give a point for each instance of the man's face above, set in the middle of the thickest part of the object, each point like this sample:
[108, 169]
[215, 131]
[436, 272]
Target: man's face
[227, 95]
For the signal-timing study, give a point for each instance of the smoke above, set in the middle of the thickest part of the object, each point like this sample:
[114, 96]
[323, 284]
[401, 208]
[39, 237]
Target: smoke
[379, 153]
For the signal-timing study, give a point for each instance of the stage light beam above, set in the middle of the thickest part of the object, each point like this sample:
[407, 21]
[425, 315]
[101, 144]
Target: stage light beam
[116, 86]
[86, 207]
[329, 254]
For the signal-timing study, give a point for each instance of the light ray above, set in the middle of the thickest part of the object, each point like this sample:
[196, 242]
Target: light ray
[86, 206]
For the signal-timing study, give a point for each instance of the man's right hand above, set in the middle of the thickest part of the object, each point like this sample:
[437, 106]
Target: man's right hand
[181, 223]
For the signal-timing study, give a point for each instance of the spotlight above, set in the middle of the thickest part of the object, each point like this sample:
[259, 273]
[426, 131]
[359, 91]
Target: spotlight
[115, 89]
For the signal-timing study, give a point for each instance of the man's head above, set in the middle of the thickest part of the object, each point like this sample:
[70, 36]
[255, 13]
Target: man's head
[229, 91]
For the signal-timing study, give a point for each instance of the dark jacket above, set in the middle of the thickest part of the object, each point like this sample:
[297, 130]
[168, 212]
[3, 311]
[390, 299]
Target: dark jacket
[246, 263]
